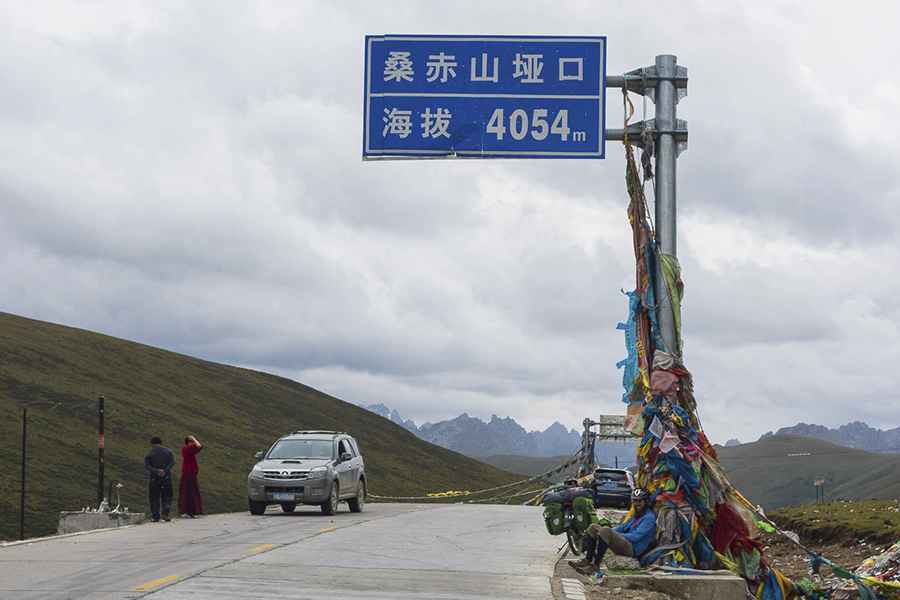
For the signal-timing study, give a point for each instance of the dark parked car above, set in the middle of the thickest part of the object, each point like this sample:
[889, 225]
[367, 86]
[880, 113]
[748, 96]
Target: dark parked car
[612, 487]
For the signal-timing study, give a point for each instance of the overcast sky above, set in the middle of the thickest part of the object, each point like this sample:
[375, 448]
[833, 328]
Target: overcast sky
[188, 175]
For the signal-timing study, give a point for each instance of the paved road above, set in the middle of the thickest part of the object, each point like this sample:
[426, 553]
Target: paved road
[399, 551]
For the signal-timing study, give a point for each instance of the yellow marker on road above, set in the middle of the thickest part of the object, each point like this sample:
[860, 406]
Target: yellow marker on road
[146, 587]
[327, 529]
[260, 548]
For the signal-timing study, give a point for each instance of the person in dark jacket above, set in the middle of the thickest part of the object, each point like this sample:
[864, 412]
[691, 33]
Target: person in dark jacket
[632, 538]
[158, 463]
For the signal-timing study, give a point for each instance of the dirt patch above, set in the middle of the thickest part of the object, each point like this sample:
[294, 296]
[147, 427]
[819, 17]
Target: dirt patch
[791, 560]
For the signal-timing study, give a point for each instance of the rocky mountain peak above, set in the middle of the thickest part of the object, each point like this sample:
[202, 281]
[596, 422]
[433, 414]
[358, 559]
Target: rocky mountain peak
[856, 434]
[499, 435]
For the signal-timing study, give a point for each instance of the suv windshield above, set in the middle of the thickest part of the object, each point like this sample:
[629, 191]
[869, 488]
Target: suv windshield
[302, 449]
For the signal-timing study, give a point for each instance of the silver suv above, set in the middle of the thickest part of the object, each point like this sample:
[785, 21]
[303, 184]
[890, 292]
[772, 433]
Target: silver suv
[308, 467]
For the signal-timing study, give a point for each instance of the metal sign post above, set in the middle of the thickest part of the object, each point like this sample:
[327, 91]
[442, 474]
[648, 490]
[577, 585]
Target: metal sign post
[609, 427]
[665, 83]
[820, 489]
[24, 462]
[101, 447]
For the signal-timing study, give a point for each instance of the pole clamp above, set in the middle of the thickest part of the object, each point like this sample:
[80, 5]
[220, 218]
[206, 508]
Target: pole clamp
[637, 131]
[643, 81]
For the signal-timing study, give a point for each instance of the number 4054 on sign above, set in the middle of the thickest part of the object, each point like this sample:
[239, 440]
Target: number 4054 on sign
[484, 96]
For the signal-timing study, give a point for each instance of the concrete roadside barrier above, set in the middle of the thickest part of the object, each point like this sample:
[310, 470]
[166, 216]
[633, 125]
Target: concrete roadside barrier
[77, 521]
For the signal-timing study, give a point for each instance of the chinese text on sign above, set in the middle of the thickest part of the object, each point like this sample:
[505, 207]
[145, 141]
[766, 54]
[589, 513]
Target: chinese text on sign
[484, 96]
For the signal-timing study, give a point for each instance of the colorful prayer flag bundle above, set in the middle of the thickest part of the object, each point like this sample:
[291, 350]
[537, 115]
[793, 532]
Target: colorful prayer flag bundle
[702, 521]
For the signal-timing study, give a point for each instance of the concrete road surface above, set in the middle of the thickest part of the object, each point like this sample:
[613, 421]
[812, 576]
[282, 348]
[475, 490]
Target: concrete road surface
[402, 551]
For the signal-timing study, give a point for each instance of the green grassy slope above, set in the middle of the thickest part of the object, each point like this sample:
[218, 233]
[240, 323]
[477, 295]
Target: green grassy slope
[780, 470]
[533, 465]
[875, 521]
[148, 391]
[527, 465]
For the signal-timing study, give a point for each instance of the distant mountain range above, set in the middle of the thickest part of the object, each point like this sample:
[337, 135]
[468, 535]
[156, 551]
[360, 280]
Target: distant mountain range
[852, 435]
[504, 436]
[473, 437]
[393, 415]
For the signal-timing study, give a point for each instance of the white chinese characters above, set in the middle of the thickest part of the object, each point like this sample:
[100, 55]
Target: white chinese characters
[433, 124]
[398, 66]
[571, 69]
[441, 66]
[487, 74]
[528, 67]
[397, 122]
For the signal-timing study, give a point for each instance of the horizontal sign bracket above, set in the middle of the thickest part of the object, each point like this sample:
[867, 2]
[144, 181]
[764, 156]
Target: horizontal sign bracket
[643, 81]
[636, 131]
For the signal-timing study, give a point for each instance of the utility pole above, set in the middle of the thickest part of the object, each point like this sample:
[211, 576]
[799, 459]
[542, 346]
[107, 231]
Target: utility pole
[24, 456]
[665, 83]
[666, 164]
[101, 446]
[587, 450]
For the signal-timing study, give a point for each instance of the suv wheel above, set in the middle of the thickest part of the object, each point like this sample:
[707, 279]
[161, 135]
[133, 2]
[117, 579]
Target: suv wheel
[256, 508]
[356, 504]
[330, 506]
[288, 507]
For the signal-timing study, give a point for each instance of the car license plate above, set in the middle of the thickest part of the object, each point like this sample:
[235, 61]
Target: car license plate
[282, 496]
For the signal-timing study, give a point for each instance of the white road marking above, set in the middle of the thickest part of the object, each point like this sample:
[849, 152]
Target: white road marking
[572, 588]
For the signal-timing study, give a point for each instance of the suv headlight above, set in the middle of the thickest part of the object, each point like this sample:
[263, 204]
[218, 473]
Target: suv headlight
[318, 472]
[257, 471]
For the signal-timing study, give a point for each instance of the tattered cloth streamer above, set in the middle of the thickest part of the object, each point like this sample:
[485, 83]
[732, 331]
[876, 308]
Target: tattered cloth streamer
[702, 521]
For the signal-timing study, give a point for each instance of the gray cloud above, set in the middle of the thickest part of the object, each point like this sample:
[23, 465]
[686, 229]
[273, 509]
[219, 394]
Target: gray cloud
[190, 177]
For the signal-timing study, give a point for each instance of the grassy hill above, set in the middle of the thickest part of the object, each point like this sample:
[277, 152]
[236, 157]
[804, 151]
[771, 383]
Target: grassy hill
[530, 465]
[150, 391]
[780, 470]
[875, 521]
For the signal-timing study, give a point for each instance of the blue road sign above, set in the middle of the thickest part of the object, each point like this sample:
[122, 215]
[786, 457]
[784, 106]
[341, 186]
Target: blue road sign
[484, 96]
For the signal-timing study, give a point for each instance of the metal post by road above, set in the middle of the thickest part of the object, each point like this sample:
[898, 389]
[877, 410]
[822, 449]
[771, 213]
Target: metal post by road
[588, 440]
[101, 445]
[666, 154]
[22, 494]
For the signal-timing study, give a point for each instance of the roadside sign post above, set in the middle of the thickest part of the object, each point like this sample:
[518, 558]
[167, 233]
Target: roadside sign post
[101, 447]
[456, 96]
[820, 489]
[24, 462]
[609, 427]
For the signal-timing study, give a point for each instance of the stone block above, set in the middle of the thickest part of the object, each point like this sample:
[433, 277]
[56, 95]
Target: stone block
[74, 522]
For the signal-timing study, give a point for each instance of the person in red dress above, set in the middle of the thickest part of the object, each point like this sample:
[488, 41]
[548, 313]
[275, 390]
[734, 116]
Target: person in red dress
[190, 502]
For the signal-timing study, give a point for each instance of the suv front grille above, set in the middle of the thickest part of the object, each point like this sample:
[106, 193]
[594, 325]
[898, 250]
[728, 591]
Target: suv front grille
[291, 490]
[282, 475]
